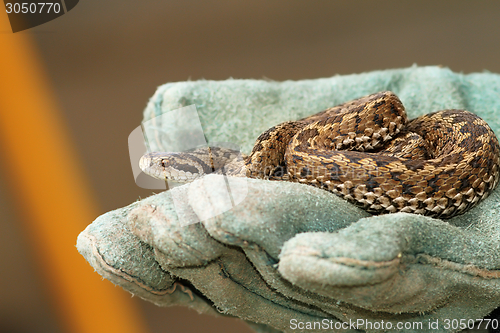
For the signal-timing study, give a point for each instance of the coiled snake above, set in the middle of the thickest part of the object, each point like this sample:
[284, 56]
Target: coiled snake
[366, 151]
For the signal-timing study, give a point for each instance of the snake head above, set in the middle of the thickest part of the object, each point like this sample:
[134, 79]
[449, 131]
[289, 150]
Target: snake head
[192, 164]
[179, 167]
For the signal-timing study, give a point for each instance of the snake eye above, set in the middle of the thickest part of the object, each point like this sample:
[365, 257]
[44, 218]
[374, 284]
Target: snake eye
[164, 163]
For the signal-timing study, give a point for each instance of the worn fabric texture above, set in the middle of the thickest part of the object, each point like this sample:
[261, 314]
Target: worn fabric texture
[289, 257]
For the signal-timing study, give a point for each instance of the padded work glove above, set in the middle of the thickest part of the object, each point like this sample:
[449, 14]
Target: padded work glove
[291, 257]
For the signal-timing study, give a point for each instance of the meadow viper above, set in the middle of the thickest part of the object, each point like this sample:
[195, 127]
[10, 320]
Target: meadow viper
[366, 151]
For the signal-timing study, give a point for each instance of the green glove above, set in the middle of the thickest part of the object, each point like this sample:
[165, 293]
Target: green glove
[291, 257]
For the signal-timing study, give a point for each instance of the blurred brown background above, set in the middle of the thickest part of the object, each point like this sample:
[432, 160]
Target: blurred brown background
[106, 58]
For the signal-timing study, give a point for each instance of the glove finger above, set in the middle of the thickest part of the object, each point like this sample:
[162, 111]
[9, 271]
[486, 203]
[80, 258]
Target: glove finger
[394, 263]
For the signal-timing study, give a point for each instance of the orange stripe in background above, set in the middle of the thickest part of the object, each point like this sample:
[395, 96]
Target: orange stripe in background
[52, 194]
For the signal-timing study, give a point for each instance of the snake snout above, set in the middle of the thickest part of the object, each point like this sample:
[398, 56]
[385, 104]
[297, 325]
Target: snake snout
[178, 167]
[145, 164]
[148, 165]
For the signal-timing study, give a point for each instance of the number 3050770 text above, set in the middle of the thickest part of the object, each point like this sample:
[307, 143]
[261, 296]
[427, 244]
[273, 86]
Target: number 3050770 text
[33, 7]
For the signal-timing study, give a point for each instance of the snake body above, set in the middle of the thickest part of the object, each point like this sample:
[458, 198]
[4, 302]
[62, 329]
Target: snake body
[366, 151]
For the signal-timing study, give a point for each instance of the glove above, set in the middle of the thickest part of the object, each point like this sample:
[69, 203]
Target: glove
[289, 257]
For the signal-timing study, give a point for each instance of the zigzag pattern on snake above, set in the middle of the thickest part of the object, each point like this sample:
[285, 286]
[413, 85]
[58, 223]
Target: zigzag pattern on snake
[366, 151]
